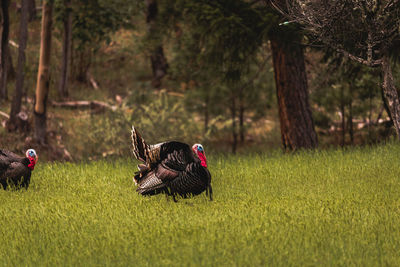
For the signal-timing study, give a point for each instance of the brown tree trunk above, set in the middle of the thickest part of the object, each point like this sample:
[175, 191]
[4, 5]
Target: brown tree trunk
[390, 93]
[159, 66]
[32, 9]
[342, 110]
[10, 69]
[63, 86]
[241, 120]
[19, 85]
[159, 63]
[82, 59]
[234, 133]
[350, 118]
[206, 113]
[4, 48]
[43, 79]
[297, 126]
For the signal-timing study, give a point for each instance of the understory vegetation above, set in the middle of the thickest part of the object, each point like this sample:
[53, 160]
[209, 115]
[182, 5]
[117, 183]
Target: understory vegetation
[334, 207]
[218, 89]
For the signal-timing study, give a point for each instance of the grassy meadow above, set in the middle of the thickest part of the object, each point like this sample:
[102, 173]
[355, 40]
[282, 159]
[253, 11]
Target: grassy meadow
[335, 207]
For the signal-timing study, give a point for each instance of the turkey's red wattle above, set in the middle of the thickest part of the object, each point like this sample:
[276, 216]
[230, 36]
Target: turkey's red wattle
[203, 159]
[32, 163]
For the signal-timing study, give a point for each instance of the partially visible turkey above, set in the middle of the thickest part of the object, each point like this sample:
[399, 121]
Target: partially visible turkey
[171, 167]
[16, 170]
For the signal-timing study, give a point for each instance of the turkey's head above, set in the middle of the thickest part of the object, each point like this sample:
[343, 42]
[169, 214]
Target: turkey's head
[199, 151]
[33, 157]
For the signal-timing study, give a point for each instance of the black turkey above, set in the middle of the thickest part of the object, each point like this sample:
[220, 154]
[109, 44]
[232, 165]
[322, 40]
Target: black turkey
[15, 170]
[173, 168]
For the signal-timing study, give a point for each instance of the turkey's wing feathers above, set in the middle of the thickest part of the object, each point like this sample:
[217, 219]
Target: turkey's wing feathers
[16, 170]
[7, 158]
[4, 162]
[175, 163]
[149, 184]
[11, 156]
[171, 168]
[164, 173]
[194, 180]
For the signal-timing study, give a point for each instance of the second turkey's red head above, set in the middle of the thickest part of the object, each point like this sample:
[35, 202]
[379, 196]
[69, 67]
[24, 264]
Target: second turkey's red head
[33, 157]
[199, 151]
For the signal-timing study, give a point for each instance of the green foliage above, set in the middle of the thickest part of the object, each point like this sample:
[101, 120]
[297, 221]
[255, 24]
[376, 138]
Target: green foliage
[343, 82]
[334, 208]
[158, 117]
[217, 46]
[164, 117]
[93, 137]
[95, 20]
[223, 35]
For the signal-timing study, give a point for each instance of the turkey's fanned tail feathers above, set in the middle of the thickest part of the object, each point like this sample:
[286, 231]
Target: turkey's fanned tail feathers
[139, 146]
[142, 151]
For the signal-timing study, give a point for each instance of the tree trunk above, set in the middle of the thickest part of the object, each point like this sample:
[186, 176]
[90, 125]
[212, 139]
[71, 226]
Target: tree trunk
[19, 85]
[159, 66]
[4, 49]
[206, 114]
[83, 60]
[32, 9]
[10, 68]
[159, 63]
[297, 125]
[43, 79]
[370, 115]
[63, 86]
[241, 120]
[350, 118]
[343, 116]
[234, 134]
[390, 93]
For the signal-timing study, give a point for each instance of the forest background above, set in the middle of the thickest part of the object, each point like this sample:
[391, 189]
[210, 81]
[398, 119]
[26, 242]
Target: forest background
[233, 75]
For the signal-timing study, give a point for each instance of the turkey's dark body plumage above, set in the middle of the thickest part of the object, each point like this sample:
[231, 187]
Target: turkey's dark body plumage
[14, 170]
[171, 168]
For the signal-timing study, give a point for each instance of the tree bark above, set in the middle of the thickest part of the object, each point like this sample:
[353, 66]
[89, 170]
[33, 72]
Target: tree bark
[390, 93]
[10, 69]
[32, 9]
[234, 133]
[350, 118]
[4, 49]
[241, 120]
[82, 59]
[159, 63]
[159, 66]
[63, 86]
[206, 113]
[19, 85]
[43, 79]
[342, 110]
[297, 125]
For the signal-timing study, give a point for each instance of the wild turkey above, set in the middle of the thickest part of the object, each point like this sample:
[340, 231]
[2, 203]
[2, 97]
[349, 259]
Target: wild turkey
[173, 168]
[16, 170]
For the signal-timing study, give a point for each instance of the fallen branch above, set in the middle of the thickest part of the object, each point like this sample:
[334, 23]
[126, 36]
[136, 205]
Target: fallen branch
[4, 115]
[95, 105]
[12, 43]
[92, 81]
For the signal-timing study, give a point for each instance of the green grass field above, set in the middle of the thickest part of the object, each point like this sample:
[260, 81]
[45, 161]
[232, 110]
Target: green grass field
[317, 208]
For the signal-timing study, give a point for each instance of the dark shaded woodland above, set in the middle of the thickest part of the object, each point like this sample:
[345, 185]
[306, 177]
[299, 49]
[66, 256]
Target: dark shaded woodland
[237, 76]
